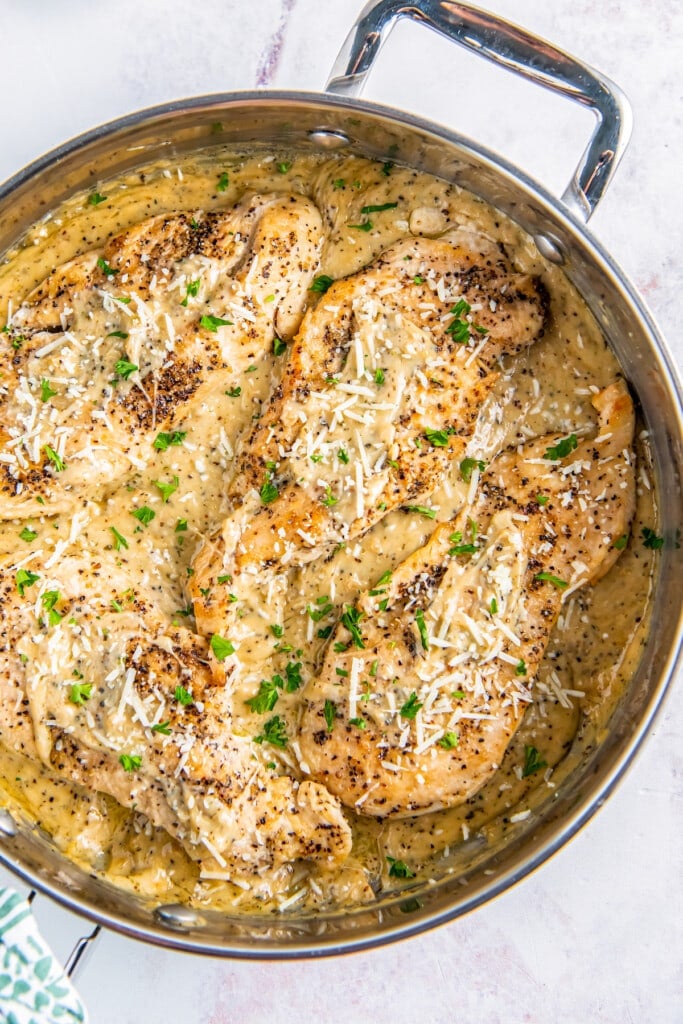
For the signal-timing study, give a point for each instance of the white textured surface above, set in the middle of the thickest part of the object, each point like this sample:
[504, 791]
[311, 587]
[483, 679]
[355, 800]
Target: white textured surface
[595, 936]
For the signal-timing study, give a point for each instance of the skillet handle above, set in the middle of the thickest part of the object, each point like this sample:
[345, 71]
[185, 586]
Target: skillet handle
[502, 43]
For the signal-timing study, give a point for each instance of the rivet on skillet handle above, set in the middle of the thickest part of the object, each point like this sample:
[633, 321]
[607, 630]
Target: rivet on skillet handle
[518, 51]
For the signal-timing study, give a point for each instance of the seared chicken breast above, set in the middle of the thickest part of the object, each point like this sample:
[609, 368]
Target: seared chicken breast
[428, 675]
[95, 685]
[381, 394]
[95, 366]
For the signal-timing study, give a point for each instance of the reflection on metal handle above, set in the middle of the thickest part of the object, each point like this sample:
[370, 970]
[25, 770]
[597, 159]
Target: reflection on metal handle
[79, 954]
[516, 50]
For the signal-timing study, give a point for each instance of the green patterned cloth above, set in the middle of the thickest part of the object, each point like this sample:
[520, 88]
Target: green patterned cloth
[33, 986]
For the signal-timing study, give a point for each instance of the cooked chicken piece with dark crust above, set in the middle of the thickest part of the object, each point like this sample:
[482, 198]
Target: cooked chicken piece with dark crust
[121, 702]
[383, 387]
[427, 677]
[117, 345]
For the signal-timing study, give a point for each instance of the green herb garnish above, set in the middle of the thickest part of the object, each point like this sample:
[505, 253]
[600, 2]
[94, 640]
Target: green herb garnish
[191, 290]
[25, 578]
[274, 732]
[321, 283]
[166, 490]
[144, 515]
[163, 441]
[279, 346]
[562, 448]
[422, 628]
[46, 391]
[449, 740]
[183, 696]
[549, 578]
[350, 620]
[28, 534]
[105, 268]
[80, 692]
[651, 540]
[123, 368]
[399, 869]
[422, 510]
[411, 706]
[56, 460]
[130, 762]
[212, 323]
[330, 712]
[467, 465]
[532, 761]
[378, 209]
[267, 696]
[221, 647]
[223, 182]
[95, 198]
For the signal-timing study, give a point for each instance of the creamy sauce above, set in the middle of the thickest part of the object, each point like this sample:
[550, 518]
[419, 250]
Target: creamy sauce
[594, 648]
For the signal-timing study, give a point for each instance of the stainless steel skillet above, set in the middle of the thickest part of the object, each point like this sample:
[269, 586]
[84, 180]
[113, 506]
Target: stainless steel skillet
[338, 119]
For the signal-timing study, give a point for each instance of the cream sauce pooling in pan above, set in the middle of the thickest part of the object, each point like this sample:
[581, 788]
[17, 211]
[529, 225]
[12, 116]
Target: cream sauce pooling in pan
[593, 650]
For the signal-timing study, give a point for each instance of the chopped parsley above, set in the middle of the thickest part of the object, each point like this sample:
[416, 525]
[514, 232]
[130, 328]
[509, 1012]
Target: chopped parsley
[542, 499]
[119, 540]
[166, 490]
[28, 534]
[621, 542]
[163, 727]
[378, 376]
[277, 630]
[520, 668]
[562, 448]
[234, 392]
[548, 577]
[130, 762]
[422, 628]
[467, 465]
[284, 166]
[324, 607]
[533, 761]
[330, 713]
[493, 607]
[48, 600]
[429, 513]
[378, 209]
[343, 456]
[438, 438]
[183, 696]
[411, 706]
[95, 198]
[80, 692]
[350, 619]
[321, 283]
[399, 869]
[118, 334]
[449, 740]
[163, 441]
[212, 323]
[221, 647]
[418, 279]
[144, 515]
[274, 732]
[56, 460]
[269, 492]
[365, 225]
[329, 499]
[46, 391]
[105, 268]
[386, 168]
[191, 291]
[25, 578]
[223, 182]
[463, 549]
[651, 540]
[181, 526]
[279, 346]
[359, 723]
[267, 696]
[293, 673]
[458, 328]
[338, 183]
[123, 368]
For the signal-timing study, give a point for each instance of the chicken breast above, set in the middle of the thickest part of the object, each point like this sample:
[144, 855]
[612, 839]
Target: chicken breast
[428, 675]
[118, 345]
[382, 391]
[95, 685]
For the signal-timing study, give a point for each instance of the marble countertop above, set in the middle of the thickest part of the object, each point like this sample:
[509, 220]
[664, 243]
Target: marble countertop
[595, 935]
